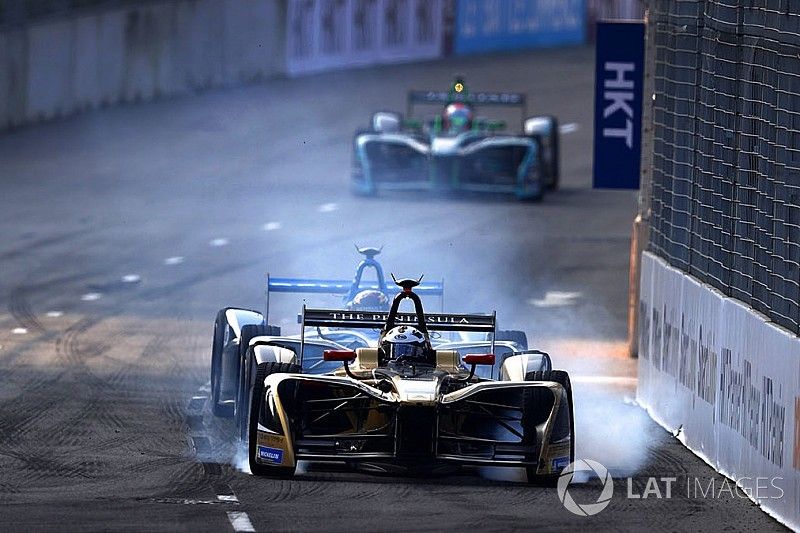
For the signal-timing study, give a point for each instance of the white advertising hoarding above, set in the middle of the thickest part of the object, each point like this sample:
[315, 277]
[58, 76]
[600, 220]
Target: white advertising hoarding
[726, 381]
[332, 34]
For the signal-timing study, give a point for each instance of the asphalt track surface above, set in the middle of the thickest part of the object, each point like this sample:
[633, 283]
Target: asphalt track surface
[124, 230]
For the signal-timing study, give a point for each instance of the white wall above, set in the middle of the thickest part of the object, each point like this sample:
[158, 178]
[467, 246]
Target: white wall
[727, 379]
[61, 67]
[325, 35]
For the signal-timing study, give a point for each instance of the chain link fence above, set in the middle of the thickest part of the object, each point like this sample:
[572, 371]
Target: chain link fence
[726, 160]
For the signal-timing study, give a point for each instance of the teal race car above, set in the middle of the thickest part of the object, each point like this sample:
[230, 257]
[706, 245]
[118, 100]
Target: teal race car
[457, 150]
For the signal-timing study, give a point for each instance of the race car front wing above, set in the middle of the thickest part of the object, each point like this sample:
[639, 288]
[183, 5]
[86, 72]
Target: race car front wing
[490, 423]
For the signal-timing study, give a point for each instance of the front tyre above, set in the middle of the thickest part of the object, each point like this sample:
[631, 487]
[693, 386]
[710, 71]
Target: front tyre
[220, 323]
[256, 397]
[562, 378]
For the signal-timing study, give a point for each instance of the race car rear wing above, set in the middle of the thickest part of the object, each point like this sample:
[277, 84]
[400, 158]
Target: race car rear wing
[341, 286]
[474, 99]
[343, 318]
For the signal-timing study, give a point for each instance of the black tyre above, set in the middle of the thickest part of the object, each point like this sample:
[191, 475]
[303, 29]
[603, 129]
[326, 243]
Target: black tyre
[220, 323]
[514, 336]
[357, 181]
[256, 393]
[562, 378]
[534, 199]
[555, 165]
[240, 406]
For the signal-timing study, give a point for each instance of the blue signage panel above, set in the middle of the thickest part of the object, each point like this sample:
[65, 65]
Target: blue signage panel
[619, 73]
[490, 25]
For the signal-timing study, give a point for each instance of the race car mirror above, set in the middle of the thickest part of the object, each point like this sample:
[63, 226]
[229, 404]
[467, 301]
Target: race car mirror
[538, 126]
[479, 359]
[386, 122]
[340, 355]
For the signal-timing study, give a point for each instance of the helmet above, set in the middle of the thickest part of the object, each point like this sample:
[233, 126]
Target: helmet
[404, 343]
[457, 118]
[368, 300]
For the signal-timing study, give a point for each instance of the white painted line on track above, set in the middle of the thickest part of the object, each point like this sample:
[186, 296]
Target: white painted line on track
[605, 380]
[54, 314]
[231, 498]
[569, 127]
[272, 226]
[131, 278]
[176, 260]
[240, 521]
[328, 208]
[91, 296]
[218, 242]
[19, 331]
[186, 501]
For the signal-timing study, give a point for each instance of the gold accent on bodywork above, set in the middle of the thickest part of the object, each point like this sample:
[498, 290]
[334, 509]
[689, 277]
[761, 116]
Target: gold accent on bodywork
[448, 361]
[366, 360]
[288, 449]
[550, 450]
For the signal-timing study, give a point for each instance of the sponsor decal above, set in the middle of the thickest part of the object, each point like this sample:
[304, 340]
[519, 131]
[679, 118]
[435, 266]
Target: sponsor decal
[482, 25]
[618, 104]
[271, 455]
[273, 441]
[745, 402]
[796, 462]
[443, 97]
[400, 318]
[559, 463]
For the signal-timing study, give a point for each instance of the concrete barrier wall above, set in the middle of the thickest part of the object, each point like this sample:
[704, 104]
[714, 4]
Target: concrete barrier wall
[51, 69]
[726, 381]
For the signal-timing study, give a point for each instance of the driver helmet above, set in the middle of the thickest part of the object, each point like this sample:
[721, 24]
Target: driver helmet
[404, 344]
[457, 118]
[368, 300]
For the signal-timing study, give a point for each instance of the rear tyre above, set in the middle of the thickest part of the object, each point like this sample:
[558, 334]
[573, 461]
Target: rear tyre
[514, 336]
[562, 378]
[256, 397]
[220, 323]
[358, 183]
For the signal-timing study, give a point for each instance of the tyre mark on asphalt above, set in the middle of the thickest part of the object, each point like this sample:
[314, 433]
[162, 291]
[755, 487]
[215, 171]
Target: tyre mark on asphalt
[21, 310]
[29, 247]
[76, 352]
[38, 460]
[205, 482]
[27, 408]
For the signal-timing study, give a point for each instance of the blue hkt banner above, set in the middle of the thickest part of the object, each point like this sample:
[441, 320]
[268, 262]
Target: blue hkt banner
[619, 73]
[490, 25]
